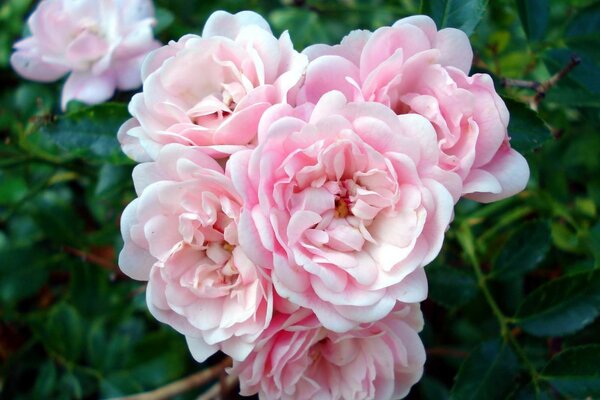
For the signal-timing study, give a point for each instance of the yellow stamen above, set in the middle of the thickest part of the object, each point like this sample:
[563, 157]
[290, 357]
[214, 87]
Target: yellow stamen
[341, 209]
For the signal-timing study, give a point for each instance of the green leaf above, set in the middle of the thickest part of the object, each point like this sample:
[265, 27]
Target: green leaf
[89, 134]
[488, 373]
[461, 14]
[118, 384]
[22, 274]
[451, 287]
[526, 130]
[524, 250]
[561, 306]
[45, 381]
[164, 18]
[594, 243]
[65, 331]
[70, 386]
[575, 373]
[13, 188]
[432, 389]
[534, 17]
[304, 26]
[583, 31]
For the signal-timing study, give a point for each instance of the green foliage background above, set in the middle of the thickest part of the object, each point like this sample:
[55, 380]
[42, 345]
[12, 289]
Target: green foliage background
[514, 295]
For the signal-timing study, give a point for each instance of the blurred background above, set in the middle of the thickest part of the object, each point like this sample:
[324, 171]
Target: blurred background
[514, 295]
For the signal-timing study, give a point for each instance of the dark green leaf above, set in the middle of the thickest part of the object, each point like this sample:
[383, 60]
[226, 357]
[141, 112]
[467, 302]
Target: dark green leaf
[594, 243]
[65, 331]
[488, 373]
[562, 306]
[22, 274]
[13, 188]
[583, 31]
[432, 389]
[45, 381]
[575, 372]
[70, 386]
[526, 130]
[112, 178]
[534, 17]
[89, 134]
[118, 384]
[450, 287]
[524, 250]
[461, 14]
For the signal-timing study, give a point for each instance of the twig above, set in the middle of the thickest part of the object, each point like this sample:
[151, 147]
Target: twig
[508, 82]
[94, 259]
[548, 84]
[183, 385]
[541, 88]
[219, 390]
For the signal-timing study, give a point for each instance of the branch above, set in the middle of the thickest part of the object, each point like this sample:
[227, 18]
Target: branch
[541, 88]
[219, 390]
[547, 85]
[183, 385]
[93, 258]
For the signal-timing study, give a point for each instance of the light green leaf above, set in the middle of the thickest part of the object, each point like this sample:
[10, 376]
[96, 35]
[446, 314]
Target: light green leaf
[164, 18]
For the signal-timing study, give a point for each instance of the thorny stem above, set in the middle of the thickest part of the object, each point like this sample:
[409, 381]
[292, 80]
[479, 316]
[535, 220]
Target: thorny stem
[547, 85]
[541, 88]
[183, 385]
[466, 240]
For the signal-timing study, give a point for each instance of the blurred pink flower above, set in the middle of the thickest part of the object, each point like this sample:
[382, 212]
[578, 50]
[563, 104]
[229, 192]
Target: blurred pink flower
[298, 359]
[101, 43]
[181, 235]
[346, 207]
[211, 91]
[412, 67]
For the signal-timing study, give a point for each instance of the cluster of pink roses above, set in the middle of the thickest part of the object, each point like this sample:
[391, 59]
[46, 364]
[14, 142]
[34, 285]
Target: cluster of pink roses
[288, 202]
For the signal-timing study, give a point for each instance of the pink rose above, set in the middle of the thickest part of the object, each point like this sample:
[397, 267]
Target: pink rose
[346, 207]
[181, 235]
[100, 42]
[412, 67]
[298, 359]
[211, 91]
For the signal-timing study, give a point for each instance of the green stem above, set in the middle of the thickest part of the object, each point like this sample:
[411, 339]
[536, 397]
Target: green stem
[465, 237]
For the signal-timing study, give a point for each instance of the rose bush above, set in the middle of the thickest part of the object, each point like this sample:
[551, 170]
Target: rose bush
[100, 43]
[211, 91]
